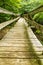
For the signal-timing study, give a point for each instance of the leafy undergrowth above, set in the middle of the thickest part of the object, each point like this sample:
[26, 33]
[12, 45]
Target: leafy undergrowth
[5, 17]
[39, 18]
[39, 35]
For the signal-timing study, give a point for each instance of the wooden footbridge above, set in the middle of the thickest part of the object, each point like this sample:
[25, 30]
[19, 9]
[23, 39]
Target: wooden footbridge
[19, 46]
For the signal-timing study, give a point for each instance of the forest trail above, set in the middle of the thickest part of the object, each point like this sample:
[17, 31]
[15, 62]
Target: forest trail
[15, 47]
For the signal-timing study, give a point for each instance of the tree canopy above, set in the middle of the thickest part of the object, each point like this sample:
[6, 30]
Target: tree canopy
[20, 5]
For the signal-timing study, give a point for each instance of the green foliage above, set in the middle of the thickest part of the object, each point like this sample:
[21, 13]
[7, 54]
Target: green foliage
[6, 4]
[38, 32]
[19, 6]
[39, 18]
[5, 17]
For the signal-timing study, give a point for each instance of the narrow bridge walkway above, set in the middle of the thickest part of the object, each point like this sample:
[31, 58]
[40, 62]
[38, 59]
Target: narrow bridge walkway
[15, 47]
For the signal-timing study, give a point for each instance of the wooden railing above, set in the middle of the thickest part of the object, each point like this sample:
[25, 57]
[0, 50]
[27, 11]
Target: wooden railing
[2, 10]
[37, 10]
[4, 24]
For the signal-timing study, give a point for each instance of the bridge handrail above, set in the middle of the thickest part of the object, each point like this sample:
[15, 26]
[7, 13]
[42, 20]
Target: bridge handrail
[34, 24]
[4, 24]
[35, 43]
[2, 10]
[37, 10]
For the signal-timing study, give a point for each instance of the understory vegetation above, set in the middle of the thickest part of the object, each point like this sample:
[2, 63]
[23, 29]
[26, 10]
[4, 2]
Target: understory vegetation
[39, 18]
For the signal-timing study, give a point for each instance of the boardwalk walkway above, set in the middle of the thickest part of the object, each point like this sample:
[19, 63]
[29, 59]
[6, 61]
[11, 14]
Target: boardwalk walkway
[15, 47]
